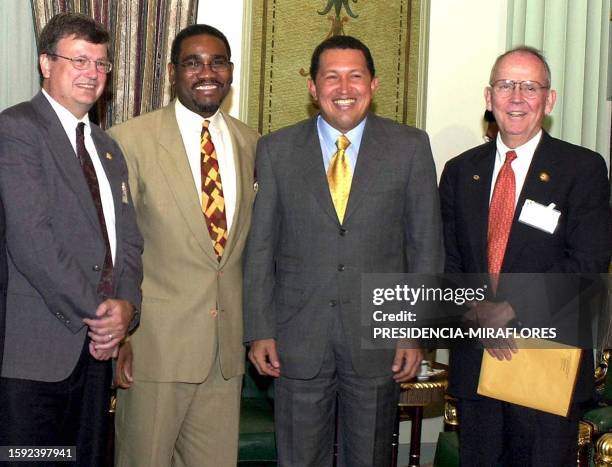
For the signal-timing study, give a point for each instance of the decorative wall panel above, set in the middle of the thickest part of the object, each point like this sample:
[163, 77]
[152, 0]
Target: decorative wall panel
[284, 33]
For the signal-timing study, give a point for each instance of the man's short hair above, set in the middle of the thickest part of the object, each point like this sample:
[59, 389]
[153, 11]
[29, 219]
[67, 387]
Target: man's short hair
[196, 30]
[340, 42]
[525, 49]
[65, 25]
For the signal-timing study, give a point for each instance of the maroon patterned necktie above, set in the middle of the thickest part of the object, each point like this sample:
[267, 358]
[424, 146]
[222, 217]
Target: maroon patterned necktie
[213, 202]
[105, 286]
[501, 213]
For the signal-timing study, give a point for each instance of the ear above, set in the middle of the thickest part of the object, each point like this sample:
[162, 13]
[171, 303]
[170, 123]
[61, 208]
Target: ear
[551, 98]
[312, 89]
[231, 73]
[45, 65]
[171, 73]
[374, 84]
[488, 98]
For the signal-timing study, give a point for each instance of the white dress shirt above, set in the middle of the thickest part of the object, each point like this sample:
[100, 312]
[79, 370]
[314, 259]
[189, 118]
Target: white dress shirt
[190, 126]
[520, 165]
[70, 122]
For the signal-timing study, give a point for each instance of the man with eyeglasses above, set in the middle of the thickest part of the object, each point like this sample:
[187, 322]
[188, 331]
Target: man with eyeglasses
[191, 174]
[74, 252]
[488, 195]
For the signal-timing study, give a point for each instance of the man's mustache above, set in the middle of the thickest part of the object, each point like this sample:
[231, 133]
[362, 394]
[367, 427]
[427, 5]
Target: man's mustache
[205, 82]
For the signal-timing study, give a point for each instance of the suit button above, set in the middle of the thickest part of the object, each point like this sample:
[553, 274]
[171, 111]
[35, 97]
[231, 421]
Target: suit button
[342, 232]
[96, 268]
[341, 267]
[213, 313]
[332, 303]
[67, 321]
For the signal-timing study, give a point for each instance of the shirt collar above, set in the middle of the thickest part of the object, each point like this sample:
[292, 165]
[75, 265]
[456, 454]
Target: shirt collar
[525, 150]
[193, 121]
[330, 134]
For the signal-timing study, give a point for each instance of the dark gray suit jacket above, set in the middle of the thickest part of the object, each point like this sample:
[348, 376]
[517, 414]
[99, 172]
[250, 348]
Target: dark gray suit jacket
[54, 241]
[302, 266]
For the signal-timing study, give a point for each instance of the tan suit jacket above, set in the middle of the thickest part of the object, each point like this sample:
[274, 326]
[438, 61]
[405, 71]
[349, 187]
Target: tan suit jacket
[183, 281]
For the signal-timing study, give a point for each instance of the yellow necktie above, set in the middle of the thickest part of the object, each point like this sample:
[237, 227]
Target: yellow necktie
[339, 177]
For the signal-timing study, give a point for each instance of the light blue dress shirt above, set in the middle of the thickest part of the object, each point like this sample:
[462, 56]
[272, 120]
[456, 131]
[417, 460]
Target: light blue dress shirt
[328, 136]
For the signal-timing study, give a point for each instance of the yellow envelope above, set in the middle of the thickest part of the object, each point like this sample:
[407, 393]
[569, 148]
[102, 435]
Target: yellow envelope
[542, 376]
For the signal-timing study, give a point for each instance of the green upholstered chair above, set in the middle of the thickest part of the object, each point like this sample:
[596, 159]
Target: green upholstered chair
[257, 445]
[596, 425]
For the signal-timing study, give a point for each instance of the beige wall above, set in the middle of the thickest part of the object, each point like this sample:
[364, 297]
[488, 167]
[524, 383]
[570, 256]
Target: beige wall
[465, 37]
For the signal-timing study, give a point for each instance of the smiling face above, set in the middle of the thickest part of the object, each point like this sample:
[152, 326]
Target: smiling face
[519, 118]
[343, 88]
[201, 92]
[77, 90]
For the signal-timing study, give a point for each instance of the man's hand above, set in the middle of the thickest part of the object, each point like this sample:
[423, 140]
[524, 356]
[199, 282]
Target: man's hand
[496, 316]
[123, 371]
[110, 326]
[406, 364]
[102, 354]
[263, 355]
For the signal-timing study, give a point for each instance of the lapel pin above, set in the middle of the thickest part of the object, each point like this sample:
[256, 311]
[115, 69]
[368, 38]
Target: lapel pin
[476, 177]
[544, 177]
[255, 186]
[109, 156]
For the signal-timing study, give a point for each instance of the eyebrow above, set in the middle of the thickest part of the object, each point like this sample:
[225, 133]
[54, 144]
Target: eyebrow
[199, 57]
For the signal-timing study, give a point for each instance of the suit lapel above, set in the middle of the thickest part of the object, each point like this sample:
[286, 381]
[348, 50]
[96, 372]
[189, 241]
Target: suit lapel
[65, 158]
[477, 200]
[110, 164]
[535, 189]
[243, 180]
[176, 169]
[309, 160]
[368, 162]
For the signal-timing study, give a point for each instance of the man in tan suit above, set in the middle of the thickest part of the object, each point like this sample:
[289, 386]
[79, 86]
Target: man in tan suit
[191, 169]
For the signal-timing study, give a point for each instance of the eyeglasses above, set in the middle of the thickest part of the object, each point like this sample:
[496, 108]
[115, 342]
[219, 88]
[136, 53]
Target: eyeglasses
[82, 63]
[218, 65]
[529, 89]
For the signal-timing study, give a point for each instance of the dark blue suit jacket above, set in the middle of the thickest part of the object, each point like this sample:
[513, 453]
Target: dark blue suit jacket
[572, 177]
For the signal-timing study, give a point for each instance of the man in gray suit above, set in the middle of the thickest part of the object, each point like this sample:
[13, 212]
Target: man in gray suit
[74, 268]
[339, 195]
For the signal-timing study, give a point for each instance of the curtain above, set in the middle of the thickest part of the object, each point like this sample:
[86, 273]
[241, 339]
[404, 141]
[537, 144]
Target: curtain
[19, 71]
[574, 38]
[141, 36]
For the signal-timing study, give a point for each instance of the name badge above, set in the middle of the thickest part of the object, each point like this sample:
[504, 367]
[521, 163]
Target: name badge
[545, 218]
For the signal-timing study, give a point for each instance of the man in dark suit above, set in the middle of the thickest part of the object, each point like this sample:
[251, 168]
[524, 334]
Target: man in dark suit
[488, 195]
[339, 195]
[74, 267]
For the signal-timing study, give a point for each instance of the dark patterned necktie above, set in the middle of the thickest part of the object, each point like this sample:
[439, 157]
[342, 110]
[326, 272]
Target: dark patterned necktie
[501, 214]
[213, 202]
[105, 286]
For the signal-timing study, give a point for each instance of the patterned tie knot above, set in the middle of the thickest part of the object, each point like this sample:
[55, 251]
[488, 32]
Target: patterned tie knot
[205, 124]
[510, 156]
[342, 143]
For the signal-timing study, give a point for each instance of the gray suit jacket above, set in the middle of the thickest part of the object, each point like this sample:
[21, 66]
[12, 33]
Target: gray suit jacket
[302, 265]
[54, 242]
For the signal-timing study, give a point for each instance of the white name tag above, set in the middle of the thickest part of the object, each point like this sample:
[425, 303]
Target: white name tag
[539, 216]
